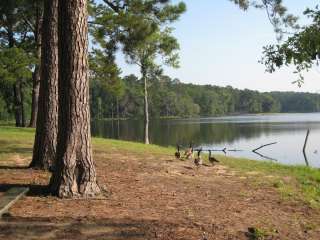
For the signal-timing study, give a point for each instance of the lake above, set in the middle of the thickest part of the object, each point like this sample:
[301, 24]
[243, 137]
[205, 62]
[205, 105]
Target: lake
[245, 133]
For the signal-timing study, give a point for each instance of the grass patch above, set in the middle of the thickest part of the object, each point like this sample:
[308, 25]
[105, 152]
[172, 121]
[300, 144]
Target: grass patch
[297, 182]
[15, 141]
[255, 233]
[7, 123]
[139, 148]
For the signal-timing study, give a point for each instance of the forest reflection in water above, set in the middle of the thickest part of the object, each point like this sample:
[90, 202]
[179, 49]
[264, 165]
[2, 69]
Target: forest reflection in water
[245, 133]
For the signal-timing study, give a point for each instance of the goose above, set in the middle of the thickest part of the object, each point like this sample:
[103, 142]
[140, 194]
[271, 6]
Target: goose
[189, 152]
[198, 159]
[212, 159]
[178, 154]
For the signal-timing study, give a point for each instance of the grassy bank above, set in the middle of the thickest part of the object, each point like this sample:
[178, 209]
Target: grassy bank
[299, 182]
[296, 182]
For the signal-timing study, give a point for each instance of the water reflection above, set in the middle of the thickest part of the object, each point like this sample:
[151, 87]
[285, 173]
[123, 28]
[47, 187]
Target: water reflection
[236, 133]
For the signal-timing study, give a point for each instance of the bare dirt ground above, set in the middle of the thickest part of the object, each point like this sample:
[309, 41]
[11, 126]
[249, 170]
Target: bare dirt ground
[156, 197]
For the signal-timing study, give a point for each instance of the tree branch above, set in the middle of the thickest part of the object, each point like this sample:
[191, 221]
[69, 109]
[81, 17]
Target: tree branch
[265, 145]
[29, 25]
[114, 7]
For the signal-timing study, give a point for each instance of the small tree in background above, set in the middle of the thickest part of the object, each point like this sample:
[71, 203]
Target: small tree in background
[140, 26]
[144, 53]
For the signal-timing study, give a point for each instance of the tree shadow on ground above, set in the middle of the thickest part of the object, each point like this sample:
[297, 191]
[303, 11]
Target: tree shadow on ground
[13, 167]
[34, 190]
[83, 228]
[16, 150]
[86, 228]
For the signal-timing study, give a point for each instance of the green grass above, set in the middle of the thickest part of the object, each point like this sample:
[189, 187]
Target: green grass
[297, 182]
[138, 148]
[257, 234]
[7, 123]
[15, 141]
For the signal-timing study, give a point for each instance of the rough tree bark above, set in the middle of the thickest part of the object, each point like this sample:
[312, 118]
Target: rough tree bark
[146, 105]
[74, 174]
[18, 104]
[44, 149]
[37, 70]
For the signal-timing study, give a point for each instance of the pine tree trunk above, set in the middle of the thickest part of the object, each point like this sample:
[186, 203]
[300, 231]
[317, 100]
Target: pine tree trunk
[44, 149]
[74, 173]
[112, 116]
[23, 116]
[118, 119]
[118, 110]
[35, 96]
[146, 106]
[17, 103]
[37, 70]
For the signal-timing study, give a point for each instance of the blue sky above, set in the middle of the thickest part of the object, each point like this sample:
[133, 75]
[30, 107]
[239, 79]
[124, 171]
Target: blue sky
[221, 45]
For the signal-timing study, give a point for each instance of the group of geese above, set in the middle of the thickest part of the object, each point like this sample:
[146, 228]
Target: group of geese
[198, 161]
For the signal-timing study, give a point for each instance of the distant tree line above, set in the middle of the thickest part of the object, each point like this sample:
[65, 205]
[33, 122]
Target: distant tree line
[168, 97]
[172, 98]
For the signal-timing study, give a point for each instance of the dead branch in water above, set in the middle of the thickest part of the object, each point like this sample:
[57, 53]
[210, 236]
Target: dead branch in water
[265, 145]
[306, 141]
[305, 146]
[216, 150]
[266, 157]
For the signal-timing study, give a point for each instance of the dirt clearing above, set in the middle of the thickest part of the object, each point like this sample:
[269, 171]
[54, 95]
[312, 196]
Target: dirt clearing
[156, 197]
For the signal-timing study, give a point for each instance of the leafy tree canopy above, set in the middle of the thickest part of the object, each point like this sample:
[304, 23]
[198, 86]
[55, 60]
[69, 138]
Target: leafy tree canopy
[301, 49]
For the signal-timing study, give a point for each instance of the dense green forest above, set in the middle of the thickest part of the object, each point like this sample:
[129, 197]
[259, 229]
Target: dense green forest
[172, 98]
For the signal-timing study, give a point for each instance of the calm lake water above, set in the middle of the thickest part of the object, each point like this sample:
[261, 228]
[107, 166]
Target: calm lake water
[245, 132]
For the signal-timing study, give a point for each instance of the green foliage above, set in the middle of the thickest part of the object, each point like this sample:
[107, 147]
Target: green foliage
[4, 115]
[276, 12]
[301, 50]
[130, 22]
[106, 73]
[297, 102]
[18, 23]
[17, 51]
[15, 64]
[140, 27]
[171, 98]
